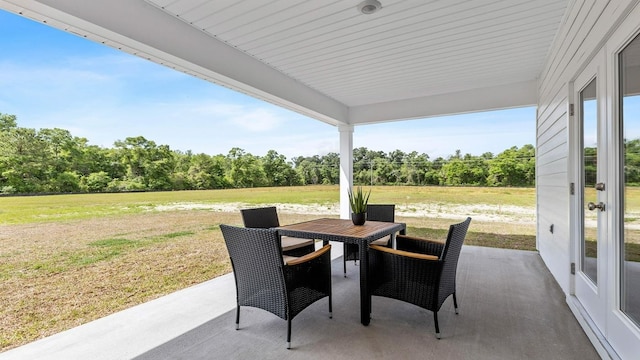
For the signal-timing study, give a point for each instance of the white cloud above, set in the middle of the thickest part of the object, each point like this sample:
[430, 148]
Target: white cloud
[257, 120]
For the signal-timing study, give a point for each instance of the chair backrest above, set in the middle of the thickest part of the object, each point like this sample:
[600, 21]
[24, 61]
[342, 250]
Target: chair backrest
[256, 258]
[455, 238]
[381, 212]
[450, 255]
[263, 218]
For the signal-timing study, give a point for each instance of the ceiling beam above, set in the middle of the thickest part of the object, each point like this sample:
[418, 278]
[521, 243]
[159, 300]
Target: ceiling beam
[482, 99]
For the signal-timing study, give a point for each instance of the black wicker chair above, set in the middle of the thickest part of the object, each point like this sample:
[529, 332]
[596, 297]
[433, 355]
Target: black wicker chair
[265, 281]
[267, 217]
[377, 212]
[420, 272]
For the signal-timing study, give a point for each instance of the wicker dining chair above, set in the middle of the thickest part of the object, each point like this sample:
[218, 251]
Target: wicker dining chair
[267, 217]
[419, 271]
[265, 281]
[375, 212]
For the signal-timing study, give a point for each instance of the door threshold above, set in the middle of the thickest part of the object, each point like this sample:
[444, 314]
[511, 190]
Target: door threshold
[594, 334]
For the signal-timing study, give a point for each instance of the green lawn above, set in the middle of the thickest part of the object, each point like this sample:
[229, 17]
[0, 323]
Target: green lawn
[51, 208]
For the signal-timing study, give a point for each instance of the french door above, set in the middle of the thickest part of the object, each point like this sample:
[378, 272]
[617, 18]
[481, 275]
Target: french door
[623, 313]
[591, 189]
[605, 144]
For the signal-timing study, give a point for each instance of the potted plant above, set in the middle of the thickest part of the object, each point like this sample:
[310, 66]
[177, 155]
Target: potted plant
[358, 203]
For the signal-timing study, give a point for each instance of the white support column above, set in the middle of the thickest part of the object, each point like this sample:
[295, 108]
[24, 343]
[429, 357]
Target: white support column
[346, 168]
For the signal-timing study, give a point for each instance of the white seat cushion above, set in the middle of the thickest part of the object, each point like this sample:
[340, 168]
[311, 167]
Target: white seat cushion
[287, 258]
[291, 243]
[382, 242]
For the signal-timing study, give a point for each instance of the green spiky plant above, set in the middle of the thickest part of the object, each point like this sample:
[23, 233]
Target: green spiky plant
[358, 200]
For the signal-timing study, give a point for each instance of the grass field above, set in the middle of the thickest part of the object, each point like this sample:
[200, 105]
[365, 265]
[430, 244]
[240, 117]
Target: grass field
[69, 259]
[37, 209]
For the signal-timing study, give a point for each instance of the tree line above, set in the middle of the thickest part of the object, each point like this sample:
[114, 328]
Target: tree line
[55, 161]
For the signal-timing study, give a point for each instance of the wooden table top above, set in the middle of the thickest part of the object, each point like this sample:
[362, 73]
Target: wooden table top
[343, 228]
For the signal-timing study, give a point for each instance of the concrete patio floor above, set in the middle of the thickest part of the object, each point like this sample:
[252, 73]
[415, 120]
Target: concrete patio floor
[510, 308]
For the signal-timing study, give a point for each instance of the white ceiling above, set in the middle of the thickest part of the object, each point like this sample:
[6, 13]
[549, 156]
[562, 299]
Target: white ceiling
[413, 58]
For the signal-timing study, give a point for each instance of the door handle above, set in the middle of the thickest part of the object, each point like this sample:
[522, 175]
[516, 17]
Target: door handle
[600, 206]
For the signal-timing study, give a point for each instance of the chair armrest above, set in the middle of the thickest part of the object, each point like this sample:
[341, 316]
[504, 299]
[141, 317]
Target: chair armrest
[403, 253]
[310, 256]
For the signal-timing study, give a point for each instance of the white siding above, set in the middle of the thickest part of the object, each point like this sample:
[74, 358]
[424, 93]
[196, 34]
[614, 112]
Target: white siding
[586, 26]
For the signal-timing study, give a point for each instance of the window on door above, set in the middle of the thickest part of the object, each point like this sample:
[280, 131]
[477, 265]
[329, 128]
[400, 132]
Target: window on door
[589, 117]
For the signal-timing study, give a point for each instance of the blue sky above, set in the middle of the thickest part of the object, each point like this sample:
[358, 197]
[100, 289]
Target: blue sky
[49, 78]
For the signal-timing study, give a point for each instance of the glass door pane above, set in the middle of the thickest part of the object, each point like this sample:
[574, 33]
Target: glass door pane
[589, 120]
[630, 237]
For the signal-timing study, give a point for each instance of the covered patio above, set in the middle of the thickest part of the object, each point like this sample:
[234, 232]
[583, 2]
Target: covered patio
[399, 60]
[500, 318]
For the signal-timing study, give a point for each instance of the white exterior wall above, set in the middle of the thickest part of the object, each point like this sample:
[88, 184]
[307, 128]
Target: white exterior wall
[586, 27]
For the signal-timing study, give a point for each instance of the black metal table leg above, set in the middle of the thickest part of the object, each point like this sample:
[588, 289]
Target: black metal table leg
[365, 300]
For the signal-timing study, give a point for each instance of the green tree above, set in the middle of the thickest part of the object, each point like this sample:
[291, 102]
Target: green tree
[206, 172]
[513, 167]
[433, 175]
[453, 172]
[65, 182]
[148, 166]
[477, 170]
[246, 169]
[64, 152]
[465, 170]
[415, 168]
[330, 168]
[363, 161]
[23, 157]
[55, 160]
[308, 169]
[180, 178]
[92, 159]
[7, 122]
[383, 171]
[96, 182]
[278, 171]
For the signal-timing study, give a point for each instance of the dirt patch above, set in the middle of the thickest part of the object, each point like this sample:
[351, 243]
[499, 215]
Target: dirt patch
[486, 213]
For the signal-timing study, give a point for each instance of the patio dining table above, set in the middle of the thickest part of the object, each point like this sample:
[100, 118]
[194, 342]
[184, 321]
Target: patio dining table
[345, 231]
